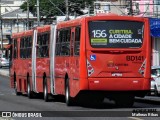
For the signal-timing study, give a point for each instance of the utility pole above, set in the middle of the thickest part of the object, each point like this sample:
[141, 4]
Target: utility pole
[130, 10]
[17, 24]
[28, 15]
[67, 13]
[1, 29]
[38, 18]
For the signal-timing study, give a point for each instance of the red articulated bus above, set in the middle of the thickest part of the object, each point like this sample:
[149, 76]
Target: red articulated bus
[85, 59]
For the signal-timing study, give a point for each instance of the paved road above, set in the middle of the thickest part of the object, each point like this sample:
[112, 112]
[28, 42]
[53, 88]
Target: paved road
[10, 102]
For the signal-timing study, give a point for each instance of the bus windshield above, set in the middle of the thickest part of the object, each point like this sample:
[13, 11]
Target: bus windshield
[116, 34]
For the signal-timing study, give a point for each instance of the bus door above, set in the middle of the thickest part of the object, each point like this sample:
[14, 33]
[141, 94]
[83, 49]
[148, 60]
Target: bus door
[52, 57]
[34, 61]
[76, 44]
[71, 64]
[74, 63]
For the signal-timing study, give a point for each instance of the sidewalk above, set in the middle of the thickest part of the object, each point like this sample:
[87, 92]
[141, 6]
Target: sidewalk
[4, 72]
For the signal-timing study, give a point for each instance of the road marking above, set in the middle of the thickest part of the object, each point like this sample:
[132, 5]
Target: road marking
[135, 118]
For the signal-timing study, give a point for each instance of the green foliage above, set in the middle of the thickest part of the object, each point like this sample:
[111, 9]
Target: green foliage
[47, 9]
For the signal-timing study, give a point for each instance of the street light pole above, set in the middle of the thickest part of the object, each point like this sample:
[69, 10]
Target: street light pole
[131, 10]
[67, 13]
[28, 15]
[38, 18]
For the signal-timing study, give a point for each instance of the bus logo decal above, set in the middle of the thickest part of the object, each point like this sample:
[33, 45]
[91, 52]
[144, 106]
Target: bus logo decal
[92, 57]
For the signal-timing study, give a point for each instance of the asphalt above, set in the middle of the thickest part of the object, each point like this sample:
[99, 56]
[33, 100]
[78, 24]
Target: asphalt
[148, 99]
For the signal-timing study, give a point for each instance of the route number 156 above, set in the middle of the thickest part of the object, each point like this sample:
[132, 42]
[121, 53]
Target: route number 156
[99, 33]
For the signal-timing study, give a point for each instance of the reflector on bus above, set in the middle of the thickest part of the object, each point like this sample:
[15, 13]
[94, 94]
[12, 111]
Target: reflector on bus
[89, 68]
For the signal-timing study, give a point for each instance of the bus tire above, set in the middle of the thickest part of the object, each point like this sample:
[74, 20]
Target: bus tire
[16, 91]
[30, 93]
[45, 90]
[68, 99]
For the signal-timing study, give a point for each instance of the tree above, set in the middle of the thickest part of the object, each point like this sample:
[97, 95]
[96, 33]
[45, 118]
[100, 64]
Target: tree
[47, 9]
[45, 6]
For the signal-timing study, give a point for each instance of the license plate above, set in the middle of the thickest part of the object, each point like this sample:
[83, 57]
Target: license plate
[117, 74]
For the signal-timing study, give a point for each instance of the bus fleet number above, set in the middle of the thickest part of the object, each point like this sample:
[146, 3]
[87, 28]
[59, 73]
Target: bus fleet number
[134, 58]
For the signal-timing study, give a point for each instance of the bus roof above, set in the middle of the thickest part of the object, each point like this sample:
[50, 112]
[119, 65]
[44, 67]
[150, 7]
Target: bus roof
[78, 21]
[21, 34]
[30, 32]
[44, 28]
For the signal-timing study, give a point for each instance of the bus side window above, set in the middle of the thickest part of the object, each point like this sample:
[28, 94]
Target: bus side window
[26, 47]
[38, 45]
[72, 39]
[58, 42]
[43, 43]
[77, 41]
[28, 43]
[62, 51]
[63, 42]
[15, 50]
[29, 48]
[66, 43]
[22, 48]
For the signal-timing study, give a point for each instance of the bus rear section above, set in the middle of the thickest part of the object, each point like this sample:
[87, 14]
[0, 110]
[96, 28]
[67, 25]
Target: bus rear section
[118, 58]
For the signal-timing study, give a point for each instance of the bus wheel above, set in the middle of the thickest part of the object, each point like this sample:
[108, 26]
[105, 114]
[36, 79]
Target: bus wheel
[29, 92]
[45, 90]
[125, 101]
[68, 99]
[17, 93]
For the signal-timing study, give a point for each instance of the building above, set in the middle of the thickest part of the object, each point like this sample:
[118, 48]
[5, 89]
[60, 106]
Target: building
[157, 8]
[8, 24]
[10, 5]
[143, 8]
[156, 39]
[110, 6]
[13, 19]
[151, 9]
